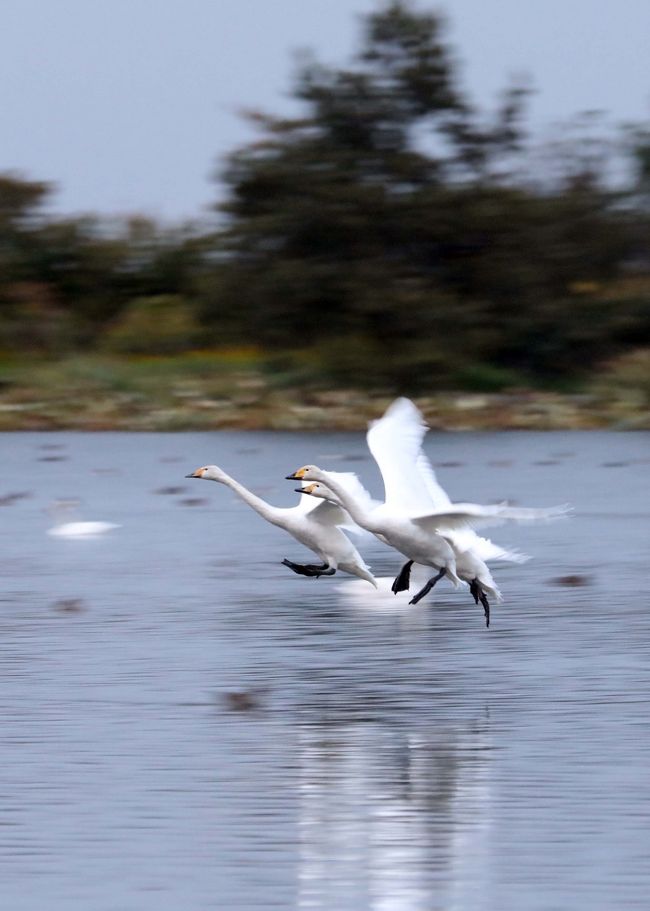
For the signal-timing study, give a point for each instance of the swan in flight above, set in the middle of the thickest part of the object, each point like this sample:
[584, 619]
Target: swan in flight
[316, 525]
[404, 421]
[469, 565]
[69, 526]
[417, 518]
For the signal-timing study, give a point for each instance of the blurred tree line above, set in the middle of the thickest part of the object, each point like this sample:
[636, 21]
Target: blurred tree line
[392, 234]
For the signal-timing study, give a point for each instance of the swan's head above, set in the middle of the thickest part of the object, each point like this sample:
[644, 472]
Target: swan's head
[318, 490]
[208, 473]
[306, 473]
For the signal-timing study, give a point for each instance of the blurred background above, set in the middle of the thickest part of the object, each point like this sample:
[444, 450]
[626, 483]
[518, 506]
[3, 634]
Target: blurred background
[281, 215]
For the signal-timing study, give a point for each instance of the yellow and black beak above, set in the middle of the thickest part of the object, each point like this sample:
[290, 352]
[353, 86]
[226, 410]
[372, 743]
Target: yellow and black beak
[296, 476]
[195, 474]
[308, 489]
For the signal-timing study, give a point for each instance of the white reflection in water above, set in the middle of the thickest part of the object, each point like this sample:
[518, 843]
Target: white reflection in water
[389, 819]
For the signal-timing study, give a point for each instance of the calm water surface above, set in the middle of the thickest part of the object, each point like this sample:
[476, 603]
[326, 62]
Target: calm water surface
[186, 724]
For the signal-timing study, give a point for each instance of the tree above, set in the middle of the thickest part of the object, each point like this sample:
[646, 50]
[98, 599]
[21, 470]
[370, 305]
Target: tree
[394, 215]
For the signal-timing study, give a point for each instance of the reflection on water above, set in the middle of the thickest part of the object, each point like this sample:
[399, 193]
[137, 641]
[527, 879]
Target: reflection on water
[389, 818]
[185, 724]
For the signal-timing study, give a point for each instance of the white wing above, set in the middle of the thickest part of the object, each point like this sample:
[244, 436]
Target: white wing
[488, 550]
[471, 515]
[467, 539]
[326, 513]
[329, 513]
[411, 487]
[320, 510]
[437, 495]
[355, 489]
[395, 441]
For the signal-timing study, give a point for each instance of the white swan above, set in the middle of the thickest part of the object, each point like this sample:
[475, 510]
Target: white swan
[404, 421]
[468, 548]
[418, 519]
[75, 528]
[314, 524]
[469, 565]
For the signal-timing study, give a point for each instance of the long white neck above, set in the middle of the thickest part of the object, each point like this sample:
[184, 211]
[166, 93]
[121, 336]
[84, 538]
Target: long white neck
[272, 514]
[357, 511]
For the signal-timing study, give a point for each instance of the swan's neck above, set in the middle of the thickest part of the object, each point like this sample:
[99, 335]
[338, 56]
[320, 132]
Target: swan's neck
[360, 515]
[268, 512]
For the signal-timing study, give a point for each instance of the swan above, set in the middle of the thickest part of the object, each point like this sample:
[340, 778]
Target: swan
[66, 509]
[418, 519]
[470, 567]
[403, 420]
[314, 524]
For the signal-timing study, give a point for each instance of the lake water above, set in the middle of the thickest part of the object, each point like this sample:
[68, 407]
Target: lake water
[188, 725]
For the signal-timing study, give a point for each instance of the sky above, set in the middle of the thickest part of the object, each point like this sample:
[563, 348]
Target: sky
[128, 106]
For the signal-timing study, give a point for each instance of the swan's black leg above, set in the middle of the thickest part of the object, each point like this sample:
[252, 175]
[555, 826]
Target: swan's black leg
[310, 569]
[486, 607]
[479, 595]
[427, 588]
[403, 579]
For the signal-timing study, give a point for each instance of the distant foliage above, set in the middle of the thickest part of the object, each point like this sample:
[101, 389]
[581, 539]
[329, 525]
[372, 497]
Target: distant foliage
[628, 375]
[153, 325]
[391, 236]
[398, 230]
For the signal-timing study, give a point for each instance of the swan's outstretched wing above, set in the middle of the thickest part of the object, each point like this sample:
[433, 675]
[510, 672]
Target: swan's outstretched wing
[404, 418]
[471, 515]
[350, 482]
[395, 441]
[488, 550]
[356, 491]
[318, 510]
[437, 495]
[466, 539]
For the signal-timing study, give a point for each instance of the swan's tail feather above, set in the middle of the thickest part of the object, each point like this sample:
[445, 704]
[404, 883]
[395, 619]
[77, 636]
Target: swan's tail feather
[362, 572]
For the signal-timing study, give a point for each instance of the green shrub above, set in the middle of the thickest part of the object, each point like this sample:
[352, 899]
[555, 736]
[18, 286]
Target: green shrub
[165, 324]
[628, 375]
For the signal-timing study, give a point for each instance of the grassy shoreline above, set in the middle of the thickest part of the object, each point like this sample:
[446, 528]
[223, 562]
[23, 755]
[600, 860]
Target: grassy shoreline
[206, 392]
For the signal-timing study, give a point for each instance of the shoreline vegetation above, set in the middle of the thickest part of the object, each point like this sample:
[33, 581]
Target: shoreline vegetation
[236, 391]
[390, 239]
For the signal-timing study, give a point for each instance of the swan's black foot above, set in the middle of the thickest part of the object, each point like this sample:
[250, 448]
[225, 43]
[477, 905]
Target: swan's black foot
[479, 595]
[427, 588]
[310, 569]
[486, 607]
[403, 579]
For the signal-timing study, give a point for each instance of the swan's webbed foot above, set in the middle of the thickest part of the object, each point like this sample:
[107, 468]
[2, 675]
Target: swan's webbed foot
[427, 588]
[403, 579]
[486, 607]
[310, 569]
[479, 595]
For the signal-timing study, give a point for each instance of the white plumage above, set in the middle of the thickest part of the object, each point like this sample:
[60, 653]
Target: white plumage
[317, 525]
[417, 518]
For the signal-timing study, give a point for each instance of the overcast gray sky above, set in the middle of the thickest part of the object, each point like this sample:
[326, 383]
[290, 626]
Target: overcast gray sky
[127, 105]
